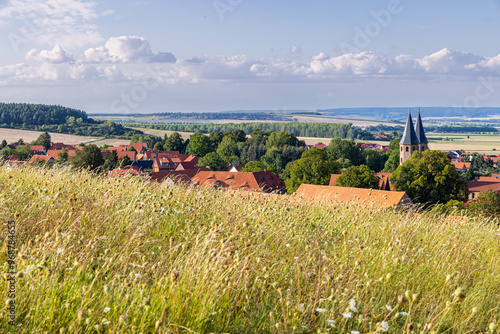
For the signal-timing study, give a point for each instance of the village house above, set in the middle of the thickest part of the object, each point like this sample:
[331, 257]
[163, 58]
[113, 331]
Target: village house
[461, 167]
[477, 187]
[40, 158]
[384, 184]
[354, 196]
[263, 181]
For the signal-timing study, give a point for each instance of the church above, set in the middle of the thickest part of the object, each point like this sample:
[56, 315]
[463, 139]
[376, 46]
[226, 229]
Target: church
[413, 139]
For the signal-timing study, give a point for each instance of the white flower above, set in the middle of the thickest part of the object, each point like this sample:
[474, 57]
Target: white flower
[403, 313]
[60, 250]
[288, 245]
[321, 310]
[301, 307]
[107, 309]
[352, 305]
[107, 322]
[96, 326]
[354, 332]
[388, 307]
[347, 315]
[331, 322]
[384, 326]
[138, 275]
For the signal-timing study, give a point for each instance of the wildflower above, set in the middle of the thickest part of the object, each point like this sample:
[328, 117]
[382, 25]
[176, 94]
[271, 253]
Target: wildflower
[288, 245]
[403, 313]
[331, 322]
[81, 315]
[107, 309]
[493, 327]
[354, 332]
[96, 326]
[301, 307]
[352, 305]
[60, 250]
[138, 275]
[321, 310]
[388, 307]
[105, 322]
[347, 315]
[384, 326]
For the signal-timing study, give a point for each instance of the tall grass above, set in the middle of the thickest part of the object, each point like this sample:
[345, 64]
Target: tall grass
[127, 256]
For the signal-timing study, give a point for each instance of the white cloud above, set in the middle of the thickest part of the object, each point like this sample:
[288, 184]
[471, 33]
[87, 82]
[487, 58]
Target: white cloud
[448, 61]
[295, 49]
[55, 56]
[63, 22]
[127, 49]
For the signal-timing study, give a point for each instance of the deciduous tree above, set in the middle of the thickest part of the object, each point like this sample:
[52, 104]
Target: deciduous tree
[358, 177]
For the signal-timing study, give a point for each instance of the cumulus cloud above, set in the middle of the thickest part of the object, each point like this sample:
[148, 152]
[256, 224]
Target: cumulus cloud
[127, 49]
[55, 56]
[63, 22]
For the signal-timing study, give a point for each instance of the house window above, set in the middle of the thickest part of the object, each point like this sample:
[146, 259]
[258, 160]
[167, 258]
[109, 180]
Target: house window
[407, 148]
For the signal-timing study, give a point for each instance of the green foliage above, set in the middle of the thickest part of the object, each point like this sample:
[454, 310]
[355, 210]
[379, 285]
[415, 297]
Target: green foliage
[252, 153]
[62, 156]
[125, 161]
[3, 144]
[346, 152]
[199, 145]
[158, 147]
[310, 169]
[430, 178]
[392, 162]
[44, 139]
[375, 159]
[469, 175]
[137, 138]
[280, 139]
[487, 204]
[89, 157]
[111, 161]
[254, 166]
[58, 119]
[358, 177]
[228, 148]
[174, 142]
[214, 161]
[274, 161]
[22, 152]
[320, 130]
[216, 138]
[238, 135]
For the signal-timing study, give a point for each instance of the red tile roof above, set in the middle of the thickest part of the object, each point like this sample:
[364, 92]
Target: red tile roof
[461, 165]
[354, 196]
[185, 165]
[60, 146]
[37, 148]
[480, 186]
[256, 181]
[38, 158]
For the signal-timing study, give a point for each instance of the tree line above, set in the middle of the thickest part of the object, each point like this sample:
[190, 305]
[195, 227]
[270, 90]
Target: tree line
[54, 118]
[319, 130]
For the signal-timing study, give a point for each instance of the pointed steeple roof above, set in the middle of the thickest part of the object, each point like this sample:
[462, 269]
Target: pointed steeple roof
[409, 135]
[419, 129]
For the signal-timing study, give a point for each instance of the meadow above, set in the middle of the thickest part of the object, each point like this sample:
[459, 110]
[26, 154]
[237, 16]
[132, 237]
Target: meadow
[101, 255]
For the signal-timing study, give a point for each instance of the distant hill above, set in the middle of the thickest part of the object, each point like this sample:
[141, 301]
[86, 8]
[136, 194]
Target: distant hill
[55, 118]
[400, 113]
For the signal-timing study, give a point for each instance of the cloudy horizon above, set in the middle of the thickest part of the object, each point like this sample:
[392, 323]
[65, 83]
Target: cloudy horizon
[126, 57]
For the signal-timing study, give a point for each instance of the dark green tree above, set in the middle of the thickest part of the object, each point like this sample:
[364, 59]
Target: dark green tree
[125, 161]
[430, 178]
[274, 161]
[469, 175]
[346, 152]
[280, 139]
[3, 144]
[216, 139]
[228, 148]
[137, 138]
[313, 168]
[44, 139]
[90, 157]
[62, 156]
[375, 159]
[110, 161]
[392, 162]
[199, 145]
[214, 161]
[174, 142]
[358, 177]
[158, 146]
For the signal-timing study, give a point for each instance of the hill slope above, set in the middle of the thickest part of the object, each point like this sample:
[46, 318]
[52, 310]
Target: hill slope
[124, 255]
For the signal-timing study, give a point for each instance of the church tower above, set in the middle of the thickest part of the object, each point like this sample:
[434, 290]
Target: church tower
[419, 129]
[409, 142]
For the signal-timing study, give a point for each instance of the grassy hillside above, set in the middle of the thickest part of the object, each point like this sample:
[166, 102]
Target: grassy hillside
[124, 256]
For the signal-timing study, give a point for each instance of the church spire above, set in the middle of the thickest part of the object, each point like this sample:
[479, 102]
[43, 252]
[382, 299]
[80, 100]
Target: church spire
[419, 129]
[409, 135]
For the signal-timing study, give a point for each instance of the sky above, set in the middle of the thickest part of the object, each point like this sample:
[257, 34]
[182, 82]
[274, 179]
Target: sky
[110, 56]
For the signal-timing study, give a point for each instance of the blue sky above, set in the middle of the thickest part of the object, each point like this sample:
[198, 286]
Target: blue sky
[213, 55]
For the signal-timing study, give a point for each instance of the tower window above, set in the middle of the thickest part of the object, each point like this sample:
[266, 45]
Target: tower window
[413, 148]
[406, 148]
[401, 148]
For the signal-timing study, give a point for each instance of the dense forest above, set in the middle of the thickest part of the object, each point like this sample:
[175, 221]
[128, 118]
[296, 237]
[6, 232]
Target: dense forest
[59, 119]
[436, 129]
[320, 130]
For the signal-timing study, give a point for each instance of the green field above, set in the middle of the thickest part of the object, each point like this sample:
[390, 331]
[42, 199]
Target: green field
[99, 255]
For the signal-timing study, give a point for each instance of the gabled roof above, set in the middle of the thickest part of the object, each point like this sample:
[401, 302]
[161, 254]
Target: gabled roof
[385, 181]
[461, 165]
[185, 165]
[480, 186]
[409, 135]
[419, 129]
[354, 196]
[256, 181]
[489, 178]
[39, 158]
[37, 148]
[60, 146]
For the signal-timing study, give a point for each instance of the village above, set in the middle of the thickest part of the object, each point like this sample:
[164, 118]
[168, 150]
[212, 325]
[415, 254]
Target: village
[173, 168]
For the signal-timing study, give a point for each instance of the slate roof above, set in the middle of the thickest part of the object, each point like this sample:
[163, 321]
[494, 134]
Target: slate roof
[409, 135]
[419, 129]
[354, 196]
